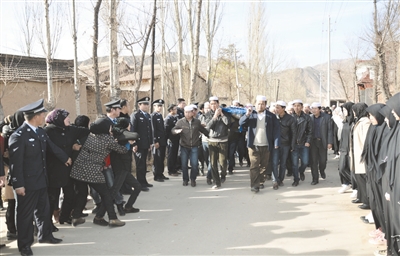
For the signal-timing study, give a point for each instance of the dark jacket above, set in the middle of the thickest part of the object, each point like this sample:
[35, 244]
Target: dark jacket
[326, 129]
[58, 173]
[169, 123]
[27, 151]
[180, 112]
[271, 125]
[288, 130]
[159, 135]
[218, 127]
[141, 124]
[304, 128]
[190, 134]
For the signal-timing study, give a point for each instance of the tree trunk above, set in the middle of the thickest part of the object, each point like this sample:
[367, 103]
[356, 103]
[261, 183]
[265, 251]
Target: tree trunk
[178, 27]
[114, 72]
[76, 81]
[95, 60]
[343, 85]
[50, 95]
[195, 59]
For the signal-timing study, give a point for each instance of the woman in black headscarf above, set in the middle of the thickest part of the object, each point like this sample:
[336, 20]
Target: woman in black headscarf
[64, 136]
[90, 163]
[385, 158]
[370, 158]
[344, 148]
[360, 130]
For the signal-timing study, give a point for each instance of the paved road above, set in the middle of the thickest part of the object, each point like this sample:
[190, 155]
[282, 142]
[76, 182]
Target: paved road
[307, 220]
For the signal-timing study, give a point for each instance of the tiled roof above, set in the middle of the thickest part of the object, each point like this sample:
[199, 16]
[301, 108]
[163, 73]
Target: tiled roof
[14, 67]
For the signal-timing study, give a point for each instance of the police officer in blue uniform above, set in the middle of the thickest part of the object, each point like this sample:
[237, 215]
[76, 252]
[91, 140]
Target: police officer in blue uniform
[27, 149]
[160, 141]
[141, 123]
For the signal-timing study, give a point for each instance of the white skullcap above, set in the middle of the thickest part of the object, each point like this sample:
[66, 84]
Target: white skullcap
[297, 101]
[261, 97]
[206, 103]
[273, 104]
[249, 105]
[316, 105]
[235, 101]
[188, 108]
[281, 103]
[213, 98]
[306, 105]
[193, 106]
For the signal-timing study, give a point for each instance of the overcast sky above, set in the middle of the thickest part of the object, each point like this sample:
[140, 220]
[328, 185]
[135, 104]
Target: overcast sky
[299, 28]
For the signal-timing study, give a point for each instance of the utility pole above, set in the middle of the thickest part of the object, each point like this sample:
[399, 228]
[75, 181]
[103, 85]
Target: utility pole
[320, 87]
[277, 89]
[237, 77]
[329, 63]
[153, 52]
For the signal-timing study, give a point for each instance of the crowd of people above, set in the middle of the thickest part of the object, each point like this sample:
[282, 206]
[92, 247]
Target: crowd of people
[45, 156]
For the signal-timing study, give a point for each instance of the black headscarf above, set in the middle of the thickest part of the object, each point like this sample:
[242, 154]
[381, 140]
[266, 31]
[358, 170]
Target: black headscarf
[17, 120]
[350, 116]
[374, 110]
[100, 126]
[57, 117]
[82, 121]
[360, 110]
[387, 113]
[394, 103]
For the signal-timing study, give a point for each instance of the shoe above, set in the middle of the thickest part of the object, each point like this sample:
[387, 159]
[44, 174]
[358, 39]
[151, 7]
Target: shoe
[116, 223]
[100, 221]
[185, 183]
[381, 253]
[363, 219]
[241, 164]
[302, 176]
[131, 210]
[193, 183]
[275, 186]
[209, 182]
[314, 182]
[159, 179]
[68, 221]
[55, 229]
[323, 174]
[120, 209]
[261, 186]
[289, 174]
[375, 233]
[78, 221]
[51, 240]
[149, 185]
[255, 189]
[11, 236]
[280, 183]
[26, 251]
[230, 172]
[96, 209]
[145, 189]
[216, 187]
[356, 201]
[165, 178]
[354, 194]
[223, 179]
[269, 177]
[83, 215]
[295, 184]
[344, 188]
[379, 240]
[202, 172]
[364, 207]
[173, 174]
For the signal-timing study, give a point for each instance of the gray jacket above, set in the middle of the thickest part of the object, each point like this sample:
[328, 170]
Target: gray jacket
[218, 127]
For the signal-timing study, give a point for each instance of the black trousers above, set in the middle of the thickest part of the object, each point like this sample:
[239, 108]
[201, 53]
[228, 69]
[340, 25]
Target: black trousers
[319, 156]
[68, 201]
[106, 199]
[126, 177]
[10, 216]
[173, 148]
[35, 204]
[361, 180]
[141, 167]
[81, 193]
[158, 162]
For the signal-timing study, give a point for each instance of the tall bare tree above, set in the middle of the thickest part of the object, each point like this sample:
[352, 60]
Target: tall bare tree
[50, 95]
[99, 108]
[179, 34]
[76, 77]
[26, 24]
[113, 28]
[194, 71]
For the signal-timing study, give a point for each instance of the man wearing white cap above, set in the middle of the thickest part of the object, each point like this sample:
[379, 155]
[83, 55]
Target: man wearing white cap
[307, 109]
[288, 127]
[189, 129]
[218, 126]
[263, 135]
[322, 140]
[303, 140]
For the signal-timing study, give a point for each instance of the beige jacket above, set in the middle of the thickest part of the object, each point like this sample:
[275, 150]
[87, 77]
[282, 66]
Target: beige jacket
[360, 130]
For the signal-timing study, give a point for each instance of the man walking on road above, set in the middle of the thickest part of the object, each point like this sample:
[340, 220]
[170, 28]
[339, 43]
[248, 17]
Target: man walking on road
[322, 140]
[263, 135]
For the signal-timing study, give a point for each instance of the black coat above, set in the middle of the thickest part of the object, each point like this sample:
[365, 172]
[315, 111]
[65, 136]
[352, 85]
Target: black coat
[326, 129]
[159, 135]
[57, 172]
[28, 157]
[141, 124]
[169, 123]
